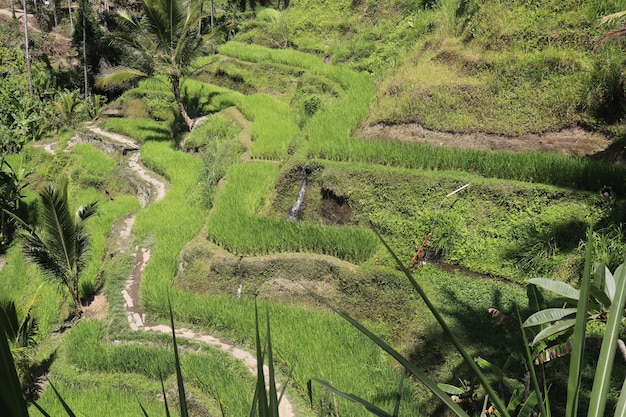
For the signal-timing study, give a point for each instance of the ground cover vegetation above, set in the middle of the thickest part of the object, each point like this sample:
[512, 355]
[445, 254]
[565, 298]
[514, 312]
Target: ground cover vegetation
[285, 100]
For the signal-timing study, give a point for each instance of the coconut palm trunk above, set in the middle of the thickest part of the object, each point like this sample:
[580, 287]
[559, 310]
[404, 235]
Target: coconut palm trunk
[27, 52]
[175, 81]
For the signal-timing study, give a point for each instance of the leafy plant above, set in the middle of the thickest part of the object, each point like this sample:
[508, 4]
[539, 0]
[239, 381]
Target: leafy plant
[59, 245]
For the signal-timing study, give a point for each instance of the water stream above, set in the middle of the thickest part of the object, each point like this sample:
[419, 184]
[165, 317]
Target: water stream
[296, 208]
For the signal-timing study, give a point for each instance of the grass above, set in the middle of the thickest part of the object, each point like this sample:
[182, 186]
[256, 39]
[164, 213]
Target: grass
[141, 130]
[21, 281]
[161, 223]
[235, 224]
[273, 126]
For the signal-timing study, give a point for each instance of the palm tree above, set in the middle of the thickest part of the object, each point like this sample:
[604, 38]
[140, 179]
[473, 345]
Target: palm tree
[67, 106]
[21, 331]
[168, 34]
[60, 244]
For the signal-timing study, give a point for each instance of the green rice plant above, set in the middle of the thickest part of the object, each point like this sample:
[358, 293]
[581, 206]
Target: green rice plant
[334, 350]
[141, 130]
[234, 224]
[577, 173]
[90, 166]
[273, 125]
[214, 131]
[161, 222]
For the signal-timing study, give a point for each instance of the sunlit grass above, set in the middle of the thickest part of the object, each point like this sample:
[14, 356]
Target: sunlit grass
[171, 222]
[235, 223]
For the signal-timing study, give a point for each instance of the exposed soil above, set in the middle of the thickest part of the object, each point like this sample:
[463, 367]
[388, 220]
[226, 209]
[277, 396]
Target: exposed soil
[56, 46]
[335, 209]
[571, 142]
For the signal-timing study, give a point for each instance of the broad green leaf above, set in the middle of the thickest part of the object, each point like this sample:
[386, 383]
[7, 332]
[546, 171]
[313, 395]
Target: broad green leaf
[609, 284]
[368, 406]
[601, 382]
[548, 315]
[600, 298]
[533, 375]
[578, 340]
[558, 287]
[451, 389]
[558, 327]
[485, 364]
[529, 405]
[516, 399]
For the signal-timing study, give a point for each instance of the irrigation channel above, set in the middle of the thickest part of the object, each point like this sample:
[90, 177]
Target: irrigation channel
[130, 293]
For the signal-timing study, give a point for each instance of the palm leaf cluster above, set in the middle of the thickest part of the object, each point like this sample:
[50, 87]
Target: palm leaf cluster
[169, 33]
[59, 244]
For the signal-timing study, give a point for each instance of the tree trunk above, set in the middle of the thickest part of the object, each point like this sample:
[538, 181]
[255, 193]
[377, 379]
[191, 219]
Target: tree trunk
[26, 51]
[69, 9]
[13, 9]
[175, 81]
[84, 18]
[78, 305]
[212, 14]
[54, 12]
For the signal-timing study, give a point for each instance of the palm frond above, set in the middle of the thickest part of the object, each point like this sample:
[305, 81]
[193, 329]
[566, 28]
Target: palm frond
[58, 223]
[614, 33]
[8, 319]
[611, 17]
[119, 75]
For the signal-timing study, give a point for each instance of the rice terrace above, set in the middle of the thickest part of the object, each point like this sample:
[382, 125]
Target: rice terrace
[304, 208]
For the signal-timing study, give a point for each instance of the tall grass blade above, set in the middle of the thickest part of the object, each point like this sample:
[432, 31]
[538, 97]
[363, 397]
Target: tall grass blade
[143, 410]
[497, 401]
[432, 386]
[167, 408]
[578, 341]
[273, 401]
[41, 410]
[261, 391]
[368, 406]
[396, 409]
[66, 407]
[601, 382]
[11, 397]
[620, 408]
[182, 398]
[533, 377]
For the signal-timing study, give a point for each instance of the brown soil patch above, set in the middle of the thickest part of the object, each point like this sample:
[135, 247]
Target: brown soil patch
[571, 142]
[98, 308]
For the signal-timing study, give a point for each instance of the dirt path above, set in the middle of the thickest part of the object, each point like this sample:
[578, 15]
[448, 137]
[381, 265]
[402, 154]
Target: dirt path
[134, 314]
[571, 142]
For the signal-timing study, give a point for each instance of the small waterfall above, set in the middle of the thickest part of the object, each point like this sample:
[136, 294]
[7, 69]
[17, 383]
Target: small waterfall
[295, 210]
[240, 276]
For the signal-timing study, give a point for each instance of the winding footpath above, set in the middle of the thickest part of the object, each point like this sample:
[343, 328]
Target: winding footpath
[135, 316]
